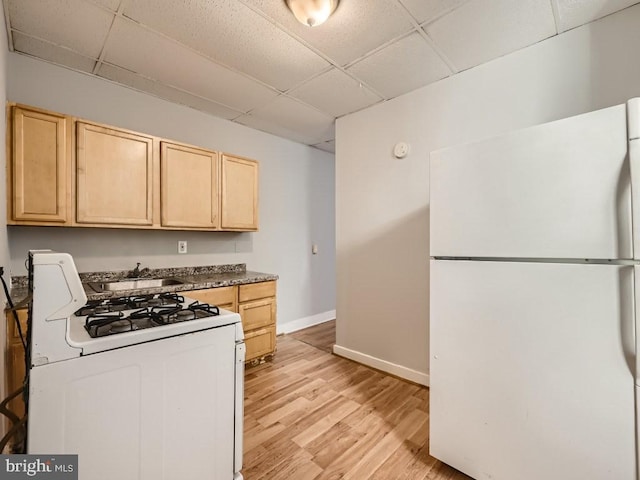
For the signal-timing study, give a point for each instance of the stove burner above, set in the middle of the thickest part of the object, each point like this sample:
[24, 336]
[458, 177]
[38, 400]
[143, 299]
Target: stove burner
[204, 307]
[95, 323]
[171, 298]
[118, 307]
[121, 326]
[139, 301]
[138, 314]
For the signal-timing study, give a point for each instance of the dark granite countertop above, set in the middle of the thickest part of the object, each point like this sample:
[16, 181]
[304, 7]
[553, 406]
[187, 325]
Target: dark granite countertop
[192, 278]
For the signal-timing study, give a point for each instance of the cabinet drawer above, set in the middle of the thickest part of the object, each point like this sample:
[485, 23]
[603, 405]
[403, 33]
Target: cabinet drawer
[12, 331]
[254, 291]
[260, 342]
[222, 297]
[259, 313]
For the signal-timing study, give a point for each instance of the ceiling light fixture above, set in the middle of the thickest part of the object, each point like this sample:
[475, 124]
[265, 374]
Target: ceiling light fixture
[312, 12]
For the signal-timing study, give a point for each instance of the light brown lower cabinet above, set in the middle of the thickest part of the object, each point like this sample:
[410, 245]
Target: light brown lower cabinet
[256, 304]
[257, 308]
[15, 367]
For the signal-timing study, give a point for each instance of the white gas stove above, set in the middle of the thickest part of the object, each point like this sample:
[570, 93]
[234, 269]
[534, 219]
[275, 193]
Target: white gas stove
[143, 387]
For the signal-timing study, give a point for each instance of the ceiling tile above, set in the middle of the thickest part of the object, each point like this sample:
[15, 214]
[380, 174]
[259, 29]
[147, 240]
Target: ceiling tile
[110, 4]
[234, 35]
[401, 67]
[428, 10]
[355, 28]
[139, 50]
[292, 119]
[335, 93]
[74, 24]
[572, 14]
[51, 53]
[133, 80]
[482, 30]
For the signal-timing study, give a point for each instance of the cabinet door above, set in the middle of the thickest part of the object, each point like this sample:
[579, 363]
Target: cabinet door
[189, 187]
[115, 176]
[239, 193]
[39, 167]
[260, 342]
[15, 367]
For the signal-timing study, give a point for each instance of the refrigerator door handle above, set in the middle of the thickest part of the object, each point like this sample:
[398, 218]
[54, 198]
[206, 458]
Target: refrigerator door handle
[633, 131]
[636, 324]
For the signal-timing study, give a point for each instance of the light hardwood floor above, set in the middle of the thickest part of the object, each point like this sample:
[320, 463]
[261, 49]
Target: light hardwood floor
[312, 415]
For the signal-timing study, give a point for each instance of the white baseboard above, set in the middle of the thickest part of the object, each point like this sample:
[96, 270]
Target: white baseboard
[305, 322]
[385, 366]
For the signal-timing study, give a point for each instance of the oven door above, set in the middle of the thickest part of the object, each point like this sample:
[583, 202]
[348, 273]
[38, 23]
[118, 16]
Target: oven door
[157, 410]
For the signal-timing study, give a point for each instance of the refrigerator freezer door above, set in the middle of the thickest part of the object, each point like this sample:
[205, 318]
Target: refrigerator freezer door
[558, 190]
[532, 370]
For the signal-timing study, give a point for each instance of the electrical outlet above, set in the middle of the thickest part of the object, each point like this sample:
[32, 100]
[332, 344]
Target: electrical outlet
[182, 246]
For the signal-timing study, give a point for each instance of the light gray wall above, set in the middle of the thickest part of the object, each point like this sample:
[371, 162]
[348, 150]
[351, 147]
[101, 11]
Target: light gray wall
[382, 204]
[296, 193]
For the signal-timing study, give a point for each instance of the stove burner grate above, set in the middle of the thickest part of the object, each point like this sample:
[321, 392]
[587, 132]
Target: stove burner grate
[152, 311]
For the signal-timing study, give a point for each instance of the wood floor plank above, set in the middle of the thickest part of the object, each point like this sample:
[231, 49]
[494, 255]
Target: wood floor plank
[327, 447]
[386, 447]
[324, 424]
[310, 415]
[259, 435]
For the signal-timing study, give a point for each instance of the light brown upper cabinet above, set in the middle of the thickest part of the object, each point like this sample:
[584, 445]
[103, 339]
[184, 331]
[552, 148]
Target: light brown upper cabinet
[39, 167]
[71, 172]
[114, 176]
[189, 187]
[239, 201]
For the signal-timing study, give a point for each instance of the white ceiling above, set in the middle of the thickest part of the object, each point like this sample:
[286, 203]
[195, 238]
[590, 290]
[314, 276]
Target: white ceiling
[251, 62]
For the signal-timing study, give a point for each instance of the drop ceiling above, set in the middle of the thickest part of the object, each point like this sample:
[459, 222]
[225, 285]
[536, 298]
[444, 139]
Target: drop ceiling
[251, 62]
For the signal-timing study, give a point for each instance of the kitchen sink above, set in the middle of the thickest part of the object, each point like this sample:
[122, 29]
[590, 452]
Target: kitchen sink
[133, 284]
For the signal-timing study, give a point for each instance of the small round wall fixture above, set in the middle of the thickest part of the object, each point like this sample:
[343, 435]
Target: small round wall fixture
[312, 12]
[401, 150]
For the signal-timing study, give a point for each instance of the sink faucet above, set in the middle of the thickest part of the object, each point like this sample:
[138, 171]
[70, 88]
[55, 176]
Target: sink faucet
[135, 273]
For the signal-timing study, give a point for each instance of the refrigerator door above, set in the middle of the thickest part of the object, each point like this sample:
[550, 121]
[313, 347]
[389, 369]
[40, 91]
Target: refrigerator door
[532, 370]
[558, 190]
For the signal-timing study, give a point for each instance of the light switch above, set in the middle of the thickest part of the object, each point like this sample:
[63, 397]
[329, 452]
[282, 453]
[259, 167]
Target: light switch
[314, 249]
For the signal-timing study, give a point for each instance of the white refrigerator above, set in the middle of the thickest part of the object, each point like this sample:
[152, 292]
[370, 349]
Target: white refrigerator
[535, 301]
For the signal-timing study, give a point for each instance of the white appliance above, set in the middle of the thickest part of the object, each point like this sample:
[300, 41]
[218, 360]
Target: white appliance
[535, 291]
[144, 398]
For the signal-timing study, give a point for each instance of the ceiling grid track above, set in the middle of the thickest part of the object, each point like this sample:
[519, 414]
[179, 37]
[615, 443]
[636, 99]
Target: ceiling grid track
[7, 23]
[556, 15]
